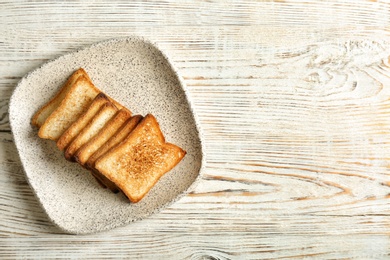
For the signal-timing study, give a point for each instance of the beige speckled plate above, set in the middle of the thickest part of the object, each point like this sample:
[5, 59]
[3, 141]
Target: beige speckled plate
[137, 74]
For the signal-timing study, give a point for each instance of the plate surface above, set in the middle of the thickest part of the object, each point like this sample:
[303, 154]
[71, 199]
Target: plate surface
[138, 75]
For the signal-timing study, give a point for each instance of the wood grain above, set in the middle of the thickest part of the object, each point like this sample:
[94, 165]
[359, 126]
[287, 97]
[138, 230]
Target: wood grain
[293, 101]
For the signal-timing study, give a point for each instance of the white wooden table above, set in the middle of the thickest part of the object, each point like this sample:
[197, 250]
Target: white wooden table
[293, 98]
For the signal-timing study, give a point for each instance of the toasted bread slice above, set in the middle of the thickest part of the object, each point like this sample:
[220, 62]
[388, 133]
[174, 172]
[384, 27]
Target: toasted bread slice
[42, 114]
[112, 126]
[137, 163]
[68, 136]
[119, 136]
[94, 126]
[75, 103]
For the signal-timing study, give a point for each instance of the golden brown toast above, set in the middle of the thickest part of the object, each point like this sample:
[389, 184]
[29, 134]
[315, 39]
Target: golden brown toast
[74, 104]
[68, 136]
[122, 152]
[119, 136]
[42, 114]
[112, 126]
[137, 163]
[105, 113]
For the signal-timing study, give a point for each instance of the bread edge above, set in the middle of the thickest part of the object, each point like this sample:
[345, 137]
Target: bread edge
[68, 84]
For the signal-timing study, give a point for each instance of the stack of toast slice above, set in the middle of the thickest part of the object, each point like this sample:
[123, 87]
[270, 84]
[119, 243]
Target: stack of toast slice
[124, 152]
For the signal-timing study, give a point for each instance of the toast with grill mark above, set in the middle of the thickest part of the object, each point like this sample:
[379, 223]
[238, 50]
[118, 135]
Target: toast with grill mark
[137, 163]
[105, 113]
[44, 112]
[68, 136]
[112, 126]
[75, 103]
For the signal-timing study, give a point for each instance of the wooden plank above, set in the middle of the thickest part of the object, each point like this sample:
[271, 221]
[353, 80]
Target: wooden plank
[293, 101]
[227, 209]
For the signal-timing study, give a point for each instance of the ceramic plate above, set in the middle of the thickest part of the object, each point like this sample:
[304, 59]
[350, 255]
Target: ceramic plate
[138, 75]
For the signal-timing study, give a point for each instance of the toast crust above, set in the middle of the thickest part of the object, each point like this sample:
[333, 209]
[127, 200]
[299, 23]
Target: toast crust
[75, 103]
[137, 163]
[106, 112]
[44, 112]
[68, 136]
[112, 126]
